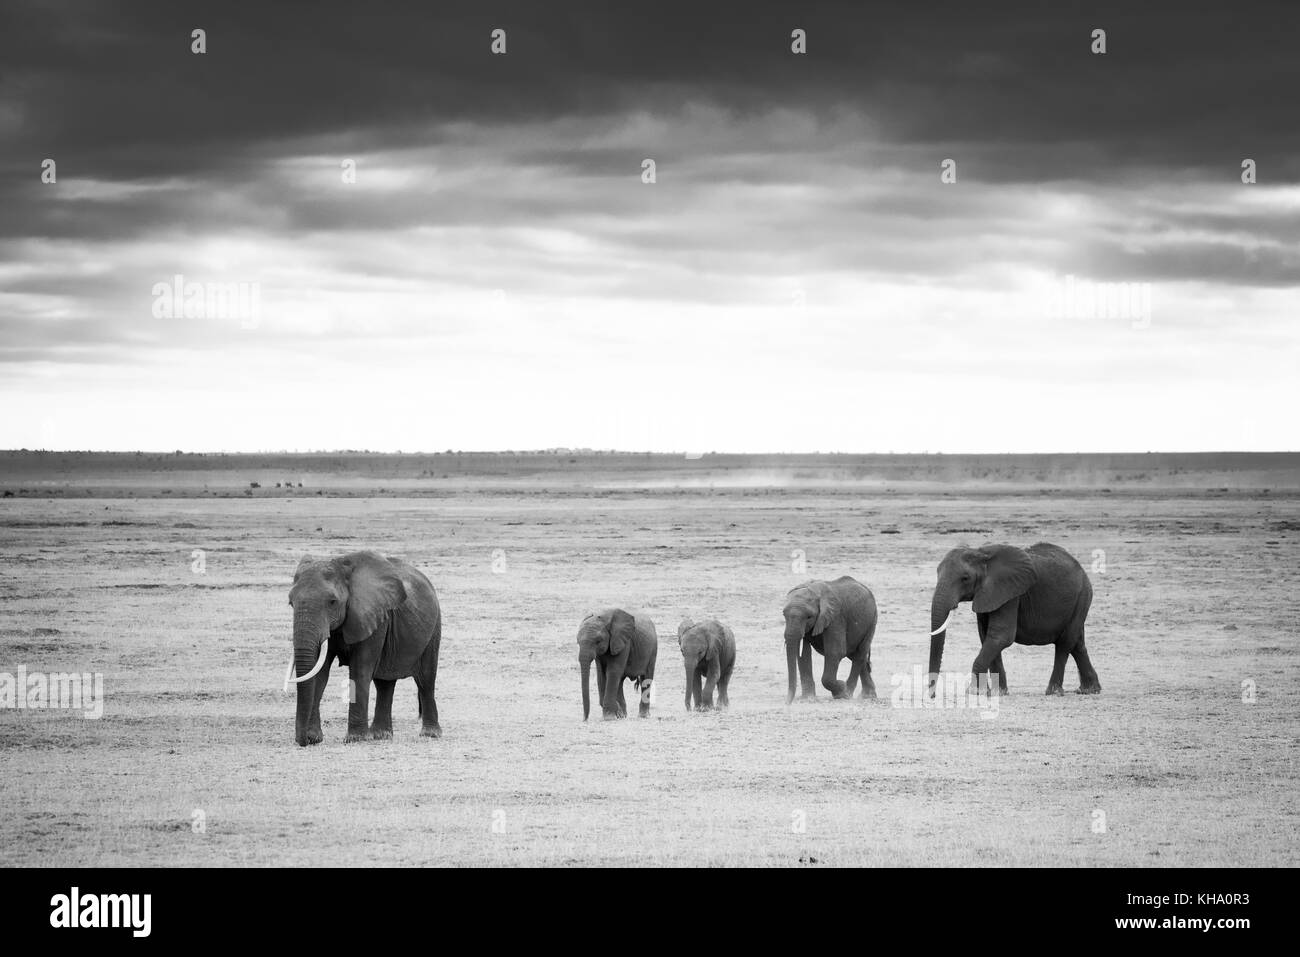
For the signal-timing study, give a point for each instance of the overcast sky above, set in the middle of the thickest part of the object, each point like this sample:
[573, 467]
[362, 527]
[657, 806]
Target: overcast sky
[798, 278]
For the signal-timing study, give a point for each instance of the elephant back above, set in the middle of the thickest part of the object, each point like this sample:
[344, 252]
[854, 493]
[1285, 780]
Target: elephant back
[847, 583]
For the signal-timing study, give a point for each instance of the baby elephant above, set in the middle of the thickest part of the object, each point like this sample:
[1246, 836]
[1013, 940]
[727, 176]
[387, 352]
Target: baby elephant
[622, 645]
[837, 619]
[709, 651]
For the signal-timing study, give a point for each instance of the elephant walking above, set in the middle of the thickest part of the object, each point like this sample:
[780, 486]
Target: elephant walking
[838, 619]
[709, 653]
[381, 618]
[623, 646]
[1034, 596]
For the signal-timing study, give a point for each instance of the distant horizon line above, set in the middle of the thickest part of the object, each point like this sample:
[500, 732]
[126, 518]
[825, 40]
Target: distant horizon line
[569, 450]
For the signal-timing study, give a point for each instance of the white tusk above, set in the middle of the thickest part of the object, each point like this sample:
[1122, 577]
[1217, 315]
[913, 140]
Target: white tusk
[288, 673]
[944, 626]
[320, 663]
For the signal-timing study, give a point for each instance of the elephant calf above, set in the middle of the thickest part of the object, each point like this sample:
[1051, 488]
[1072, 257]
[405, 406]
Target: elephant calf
[838, 619]
[1032, 596]
[709, 652]
[380, 617]
[623, 645]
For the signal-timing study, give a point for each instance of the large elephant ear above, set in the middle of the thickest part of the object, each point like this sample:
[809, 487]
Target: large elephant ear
[622, 629]
[828, 607]
[1008, 573]
[374, 589]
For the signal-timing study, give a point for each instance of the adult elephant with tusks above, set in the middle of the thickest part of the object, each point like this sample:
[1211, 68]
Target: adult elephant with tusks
[623, 645]
[1031, 596]
[838, 619]
[380, 617]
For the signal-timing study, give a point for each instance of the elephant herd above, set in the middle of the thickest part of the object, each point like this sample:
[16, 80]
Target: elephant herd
[380, 617]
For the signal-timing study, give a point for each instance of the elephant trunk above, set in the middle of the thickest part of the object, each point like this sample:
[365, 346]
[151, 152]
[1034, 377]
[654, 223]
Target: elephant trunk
[310, 645]
[791, 664]
[941, 607]
[585, 661]
[690, 679]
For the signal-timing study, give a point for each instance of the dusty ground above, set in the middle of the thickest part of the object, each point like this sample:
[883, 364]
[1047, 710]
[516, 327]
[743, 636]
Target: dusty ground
[193, 761]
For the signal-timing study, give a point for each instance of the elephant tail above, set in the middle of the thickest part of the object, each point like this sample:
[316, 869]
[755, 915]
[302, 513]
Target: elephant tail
[419, 706]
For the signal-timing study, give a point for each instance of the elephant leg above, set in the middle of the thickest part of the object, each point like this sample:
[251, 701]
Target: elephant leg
[982, 623]
[868, 686]
[1000, 632]
[381, 728]
[1089, 683]
[644, 686]
[314, 733]
[805, 672]
[829, 679]
[600, 682]
[723, 700]
[613, 704]
[712, 672]
[359, 709]
[1056, 682]
[855, 669]
[426, 678]
[982, 668]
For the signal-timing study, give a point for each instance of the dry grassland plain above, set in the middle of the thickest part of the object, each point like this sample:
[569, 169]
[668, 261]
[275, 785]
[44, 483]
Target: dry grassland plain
[169, 575]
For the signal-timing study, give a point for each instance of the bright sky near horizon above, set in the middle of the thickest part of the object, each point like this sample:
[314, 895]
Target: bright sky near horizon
[798, 276]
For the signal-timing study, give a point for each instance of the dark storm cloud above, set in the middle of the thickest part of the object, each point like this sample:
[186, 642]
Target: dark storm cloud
[114, 89]
[112, 92]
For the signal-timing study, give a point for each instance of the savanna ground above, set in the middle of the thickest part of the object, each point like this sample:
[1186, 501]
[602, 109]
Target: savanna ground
[1188, 757]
